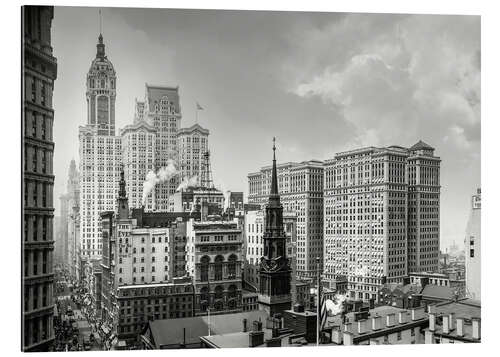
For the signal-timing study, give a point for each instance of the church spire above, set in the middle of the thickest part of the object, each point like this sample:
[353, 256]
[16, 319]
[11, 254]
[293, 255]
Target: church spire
[274, 197]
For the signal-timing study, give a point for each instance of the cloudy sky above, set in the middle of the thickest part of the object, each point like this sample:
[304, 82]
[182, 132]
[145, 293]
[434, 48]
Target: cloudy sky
[319, 82]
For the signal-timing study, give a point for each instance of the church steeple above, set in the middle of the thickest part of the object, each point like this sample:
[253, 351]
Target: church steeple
[122, 198]
[275, 272]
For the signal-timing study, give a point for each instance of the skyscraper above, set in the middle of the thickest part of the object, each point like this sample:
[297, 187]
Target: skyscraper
[100, 152]
[39, 73]
[192, 144]
[138, 150]
[473, 249]
[275, 272]
[162, 111]
[381, 216]
[301, 189]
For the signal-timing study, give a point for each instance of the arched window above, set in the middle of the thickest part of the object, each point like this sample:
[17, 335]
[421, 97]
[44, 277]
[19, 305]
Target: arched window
[231, 266]
[218, 267]
[205, 261]
[204, 298]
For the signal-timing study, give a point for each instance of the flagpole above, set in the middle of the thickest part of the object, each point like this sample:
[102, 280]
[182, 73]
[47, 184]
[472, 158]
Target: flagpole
[196, 113]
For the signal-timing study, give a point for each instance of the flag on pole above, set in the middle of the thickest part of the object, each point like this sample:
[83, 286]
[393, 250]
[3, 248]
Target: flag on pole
[198, 106]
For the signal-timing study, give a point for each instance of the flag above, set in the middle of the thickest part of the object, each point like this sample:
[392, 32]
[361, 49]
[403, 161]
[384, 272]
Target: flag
[198, 106]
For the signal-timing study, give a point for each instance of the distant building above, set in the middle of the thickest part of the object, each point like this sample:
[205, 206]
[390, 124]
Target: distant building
[301, 190]
[473, 249]
[138, 158]
[214, 261]
[191, 199]
[163, 112]
[192, 145]
[39, 71]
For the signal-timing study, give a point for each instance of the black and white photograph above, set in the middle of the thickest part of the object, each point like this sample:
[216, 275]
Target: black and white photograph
[231, 178]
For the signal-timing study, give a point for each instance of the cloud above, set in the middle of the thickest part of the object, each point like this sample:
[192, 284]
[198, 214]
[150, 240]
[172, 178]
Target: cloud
[418, 77]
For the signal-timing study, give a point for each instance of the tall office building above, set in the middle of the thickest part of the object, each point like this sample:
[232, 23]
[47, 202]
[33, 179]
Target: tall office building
[301, 190]
[162, 111]
[381, 209]
[192, 145]
[138, 150]
[473, 249]
[100, 152]
[39, 72]
[424, 192]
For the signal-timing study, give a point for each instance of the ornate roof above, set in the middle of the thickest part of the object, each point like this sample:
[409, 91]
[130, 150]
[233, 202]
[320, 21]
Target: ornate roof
[421, 146]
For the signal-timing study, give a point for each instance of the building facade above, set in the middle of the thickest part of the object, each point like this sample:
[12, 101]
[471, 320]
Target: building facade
[301, 191]
[139, 304]
[473, 249]
[214, 262]
[39, 73]
[138, 158]
[162, 111]
[100, 152]
[192, 145]
[374, 199]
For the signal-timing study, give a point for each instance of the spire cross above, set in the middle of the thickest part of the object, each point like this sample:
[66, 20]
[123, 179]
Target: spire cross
[274, 145]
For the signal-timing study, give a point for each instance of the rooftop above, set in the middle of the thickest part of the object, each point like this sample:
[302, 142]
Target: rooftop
[170, 331]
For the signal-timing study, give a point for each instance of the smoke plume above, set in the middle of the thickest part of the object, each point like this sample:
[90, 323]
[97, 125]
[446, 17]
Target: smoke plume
[336, 306]
[188, 182]
[152, 179]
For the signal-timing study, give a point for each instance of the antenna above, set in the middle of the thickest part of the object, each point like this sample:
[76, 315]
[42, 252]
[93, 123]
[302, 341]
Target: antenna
[100, 21]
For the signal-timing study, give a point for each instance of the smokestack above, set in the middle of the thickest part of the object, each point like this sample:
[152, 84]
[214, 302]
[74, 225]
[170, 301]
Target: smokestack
[451, 321]
[244, 325]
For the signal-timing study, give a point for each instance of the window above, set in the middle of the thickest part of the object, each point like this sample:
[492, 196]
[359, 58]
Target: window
[43, 128]
[33, 89]
[399, 335]
[472, 253]
[43, 94]
[33, 125]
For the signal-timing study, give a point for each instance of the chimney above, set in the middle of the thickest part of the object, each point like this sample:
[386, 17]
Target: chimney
[431, 309]
[372, 303]
[348, 327]
[336, 336]
[245, 325]
[446, 323]
[348, 339]
[376, 322]
[255, 338]
[432, 322]
[451, 321]
[390, 319]
[460, 326]
[476, 328]
[361, 326]
[416, 313]
[403, 317]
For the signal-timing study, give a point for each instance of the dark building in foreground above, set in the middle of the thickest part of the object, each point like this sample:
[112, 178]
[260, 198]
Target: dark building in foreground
[39, 73]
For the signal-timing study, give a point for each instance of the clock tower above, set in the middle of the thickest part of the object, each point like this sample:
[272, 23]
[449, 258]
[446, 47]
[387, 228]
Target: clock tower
[274, 271]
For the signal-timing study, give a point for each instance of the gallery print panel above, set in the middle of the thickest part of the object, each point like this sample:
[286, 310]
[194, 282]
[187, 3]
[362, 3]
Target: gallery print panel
[229, 179]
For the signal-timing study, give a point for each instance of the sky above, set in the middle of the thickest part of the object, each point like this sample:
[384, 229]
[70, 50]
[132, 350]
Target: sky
[319, 82]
